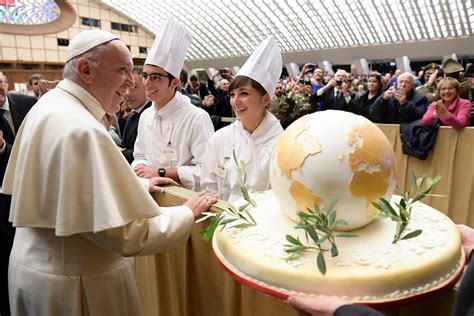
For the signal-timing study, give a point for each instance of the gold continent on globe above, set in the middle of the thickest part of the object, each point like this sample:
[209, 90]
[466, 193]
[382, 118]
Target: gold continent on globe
[333, 155]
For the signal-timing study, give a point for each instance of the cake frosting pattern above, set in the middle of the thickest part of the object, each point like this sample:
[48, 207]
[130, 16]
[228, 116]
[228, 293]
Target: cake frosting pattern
[369, 267]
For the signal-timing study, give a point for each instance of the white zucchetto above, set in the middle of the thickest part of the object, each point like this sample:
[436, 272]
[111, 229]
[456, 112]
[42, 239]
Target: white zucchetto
[87, 40]
[170, 47]
[264, 65]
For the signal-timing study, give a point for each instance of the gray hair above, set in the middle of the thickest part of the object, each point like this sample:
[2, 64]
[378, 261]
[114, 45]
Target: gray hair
[409, 74]
[92, 56]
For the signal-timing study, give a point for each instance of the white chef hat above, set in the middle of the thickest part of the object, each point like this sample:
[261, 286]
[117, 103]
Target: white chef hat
[170, 47]
[264, 65]
[87, 40]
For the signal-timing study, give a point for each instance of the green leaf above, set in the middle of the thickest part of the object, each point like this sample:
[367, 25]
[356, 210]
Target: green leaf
[243, 207]
[347, 234]
[332, 205]
[321, 263]
[379, 215]
[320, 241]
[293, 240]
[413, 179]
[332, 218]
[294, 248]
[340, 222]
[312, 233]
[412, 234]
[227, 221]
[207, 233]
[334, 251]
[387, 207]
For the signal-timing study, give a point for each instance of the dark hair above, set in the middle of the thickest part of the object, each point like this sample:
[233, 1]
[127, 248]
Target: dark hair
[183, 76]
[35, 77]
[193, 78]
[377, 77]
[137, 70]
[241, 81]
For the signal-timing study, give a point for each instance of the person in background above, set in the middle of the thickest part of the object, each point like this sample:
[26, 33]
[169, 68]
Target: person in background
[79, 210]
[34, 82]
[361, 104]
[328, 306]
[453, 69]
[136, 100]
[195, 87]
[401, 105]
[430, 78]
[450, 109]
[254, 133]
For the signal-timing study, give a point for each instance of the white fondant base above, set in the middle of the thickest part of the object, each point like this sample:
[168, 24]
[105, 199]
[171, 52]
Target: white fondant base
[369, 267]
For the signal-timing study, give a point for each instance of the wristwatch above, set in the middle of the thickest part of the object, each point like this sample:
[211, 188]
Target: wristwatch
[161, 172]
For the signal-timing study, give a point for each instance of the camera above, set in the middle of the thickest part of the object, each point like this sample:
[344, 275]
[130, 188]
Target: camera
[338, 82]
[399, 91]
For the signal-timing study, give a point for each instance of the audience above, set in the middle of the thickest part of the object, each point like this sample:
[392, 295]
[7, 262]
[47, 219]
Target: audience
[400, 105]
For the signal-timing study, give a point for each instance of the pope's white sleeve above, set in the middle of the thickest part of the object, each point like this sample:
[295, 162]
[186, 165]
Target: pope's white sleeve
[143, 236]
[139, 147]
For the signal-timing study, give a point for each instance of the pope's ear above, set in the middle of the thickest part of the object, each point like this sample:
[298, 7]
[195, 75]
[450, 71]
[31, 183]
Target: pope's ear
[84, 70]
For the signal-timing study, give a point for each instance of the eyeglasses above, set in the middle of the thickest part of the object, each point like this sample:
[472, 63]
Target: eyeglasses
[154, 77]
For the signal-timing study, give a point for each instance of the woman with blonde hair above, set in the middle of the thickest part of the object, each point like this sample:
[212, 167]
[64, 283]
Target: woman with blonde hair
[451, 110]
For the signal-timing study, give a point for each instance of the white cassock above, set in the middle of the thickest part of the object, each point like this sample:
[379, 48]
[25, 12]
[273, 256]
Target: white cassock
[219, 170]
[174, 137]
[80, 212]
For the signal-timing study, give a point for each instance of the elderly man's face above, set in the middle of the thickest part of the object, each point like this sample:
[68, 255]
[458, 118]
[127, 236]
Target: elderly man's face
[112, 77]
[224, 84]
[3, 88]
[135, 97]
[405, 82]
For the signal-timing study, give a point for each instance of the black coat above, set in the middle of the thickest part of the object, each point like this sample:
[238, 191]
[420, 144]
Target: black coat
[130, 132]
[390, 111]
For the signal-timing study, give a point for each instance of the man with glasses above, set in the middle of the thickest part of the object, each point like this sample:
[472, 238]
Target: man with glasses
[172, 133]
[402, 104]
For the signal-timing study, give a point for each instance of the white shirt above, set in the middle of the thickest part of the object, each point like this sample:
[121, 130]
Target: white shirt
[180, 127]
[219, 170]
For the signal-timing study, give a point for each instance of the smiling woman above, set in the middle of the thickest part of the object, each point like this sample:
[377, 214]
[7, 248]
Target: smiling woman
[451, 110]
[254, 133]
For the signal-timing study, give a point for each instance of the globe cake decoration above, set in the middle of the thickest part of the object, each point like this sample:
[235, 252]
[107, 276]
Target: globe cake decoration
[341, 159]
[333, 155]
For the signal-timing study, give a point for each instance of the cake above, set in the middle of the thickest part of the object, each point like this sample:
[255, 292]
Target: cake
[369, 268]
[338, 157]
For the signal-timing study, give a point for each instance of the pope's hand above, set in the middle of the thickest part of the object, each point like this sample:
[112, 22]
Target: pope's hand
[201, 202]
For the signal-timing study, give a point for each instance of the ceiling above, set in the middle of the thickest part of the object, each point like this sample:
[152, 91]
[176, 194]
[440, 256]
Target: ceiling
[227, 31]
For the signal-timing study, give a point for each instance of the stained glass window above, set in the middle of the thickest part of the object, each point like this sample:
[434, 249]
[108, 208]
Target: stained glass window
[28, 12]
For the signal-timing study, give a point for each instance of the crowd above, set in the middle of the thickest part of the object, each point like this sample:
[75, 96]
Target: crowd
[80, 209]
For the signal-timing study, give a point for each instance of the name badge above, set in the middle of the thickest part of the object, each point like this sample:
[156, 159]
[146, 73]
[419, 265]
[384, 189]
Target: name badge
[220, 171]
[168, 154]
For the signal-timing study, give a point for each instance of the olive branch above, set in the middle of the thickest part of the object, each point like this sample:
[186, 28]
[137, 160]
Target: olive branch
[420, 187]
[318, 225]
[226, 214]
